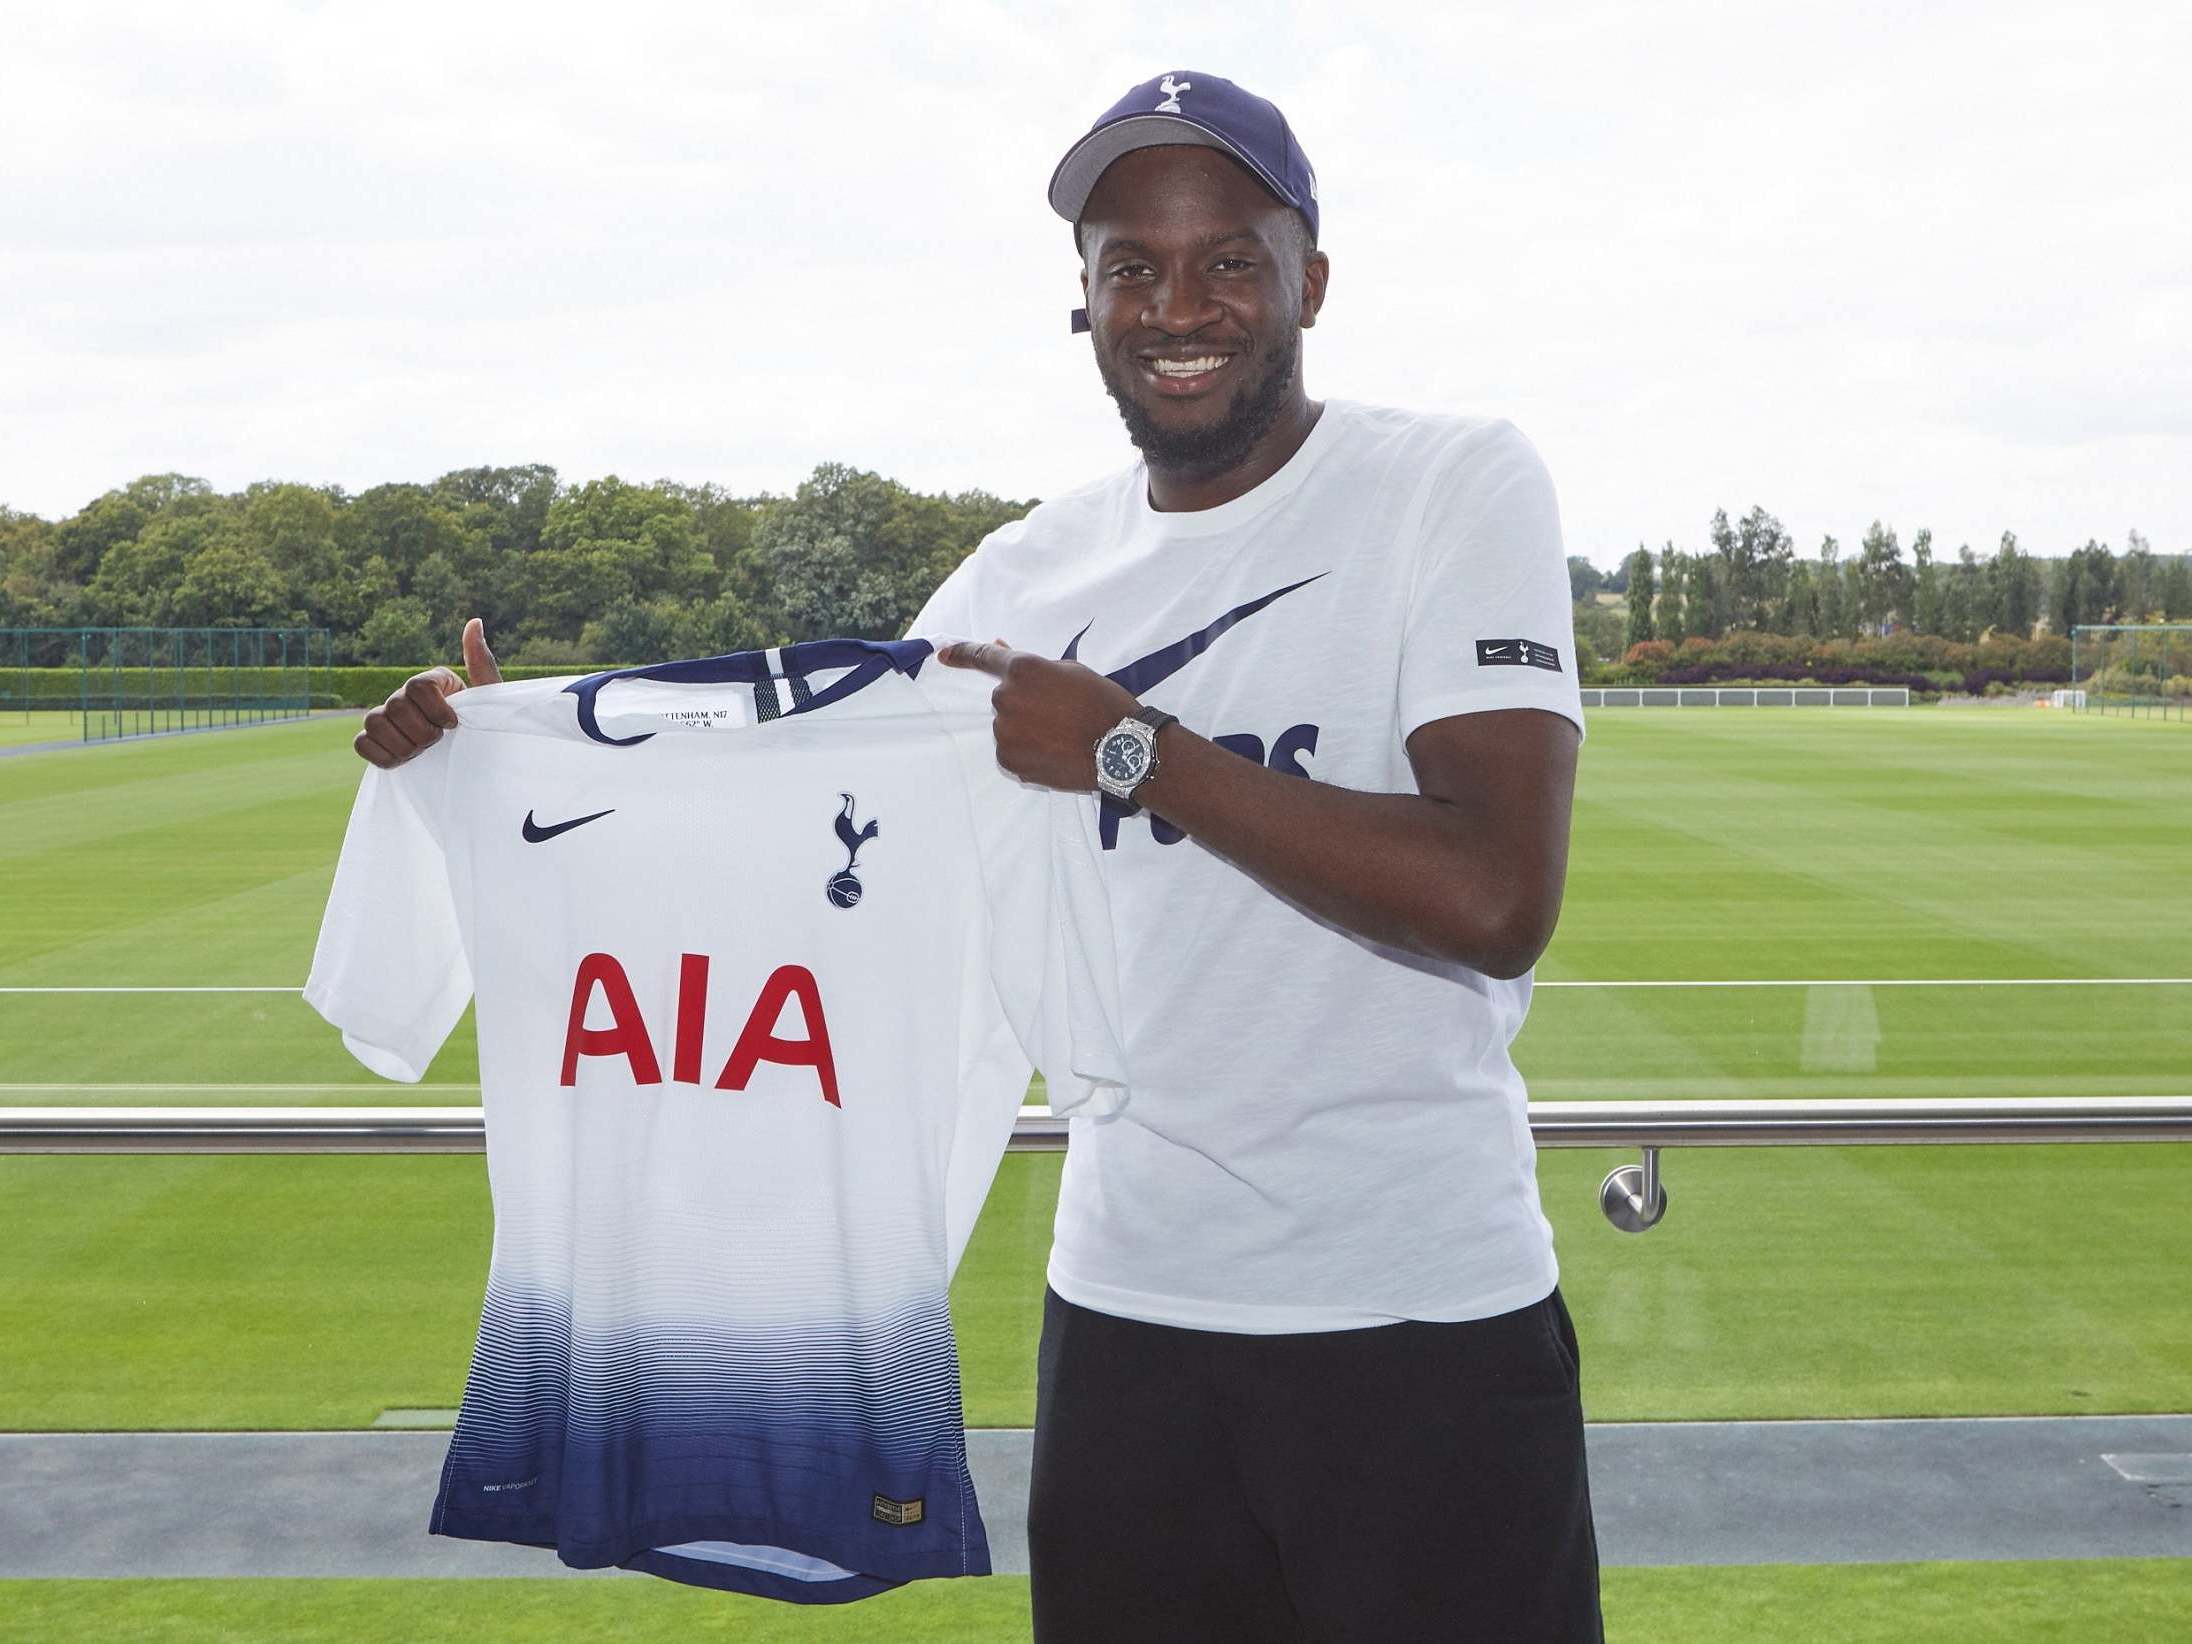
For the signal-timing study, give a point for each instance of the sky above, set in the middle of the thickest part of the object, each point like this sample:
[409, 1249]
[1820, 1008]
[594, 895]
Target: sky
[1928, 264]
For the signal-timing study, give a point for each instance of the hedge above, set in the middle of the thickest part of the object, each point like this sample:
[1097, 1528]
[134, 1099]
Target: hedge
[1924, 662]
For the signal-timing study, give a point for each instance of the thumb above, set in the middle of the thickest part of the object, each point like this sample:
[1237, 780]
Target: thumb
[479, 662]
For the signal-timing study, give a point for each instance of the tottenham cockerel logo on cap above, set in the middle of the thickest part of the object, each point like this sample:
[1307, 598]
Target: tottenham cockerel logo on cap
[1172, 89]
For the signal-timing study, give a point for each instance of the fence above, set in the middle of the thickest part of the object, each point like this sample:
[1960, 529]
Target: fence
[1633, 1197]
[2141, 670]
[105, 683]
[1746, 696]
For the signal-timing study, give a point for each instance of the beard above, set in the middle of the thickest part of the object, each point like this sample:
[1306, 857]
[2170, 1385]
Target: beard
[1201, 453]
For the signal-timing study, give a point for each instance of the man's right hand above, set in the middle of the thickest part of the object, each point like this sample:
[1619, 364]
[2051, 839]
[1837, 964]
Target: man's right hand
[414, 716]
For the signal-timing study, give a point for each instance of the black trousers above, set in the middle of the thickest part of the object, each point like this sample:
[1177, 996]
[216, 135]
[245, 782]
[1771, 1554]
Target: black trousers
[1408, 1482]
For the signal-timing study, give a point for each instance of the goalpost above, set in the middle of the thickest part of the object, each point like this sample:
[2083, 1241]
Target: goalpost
[2142, 669]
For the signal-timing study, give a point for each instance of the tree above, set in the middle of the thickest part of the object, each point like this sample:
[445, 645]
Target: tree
[31, 595]
[607, 542]
[1800, 608]
[1925, 586]
[290, 529]
[1754, 564]
[1674, 617]
[2013, 589]
[1638, 569]
[1706, 598]
[508, 506]
[2138, 581]
[397, 631]
[229, 583]
[1835, 616]
[139, 581]
[853, 553]
[1964, 599]
[1598, 631]
[83, 541]
[1584, 578]
[631, 632]
[2177, 589]
[2084, 589]
[1882, 580]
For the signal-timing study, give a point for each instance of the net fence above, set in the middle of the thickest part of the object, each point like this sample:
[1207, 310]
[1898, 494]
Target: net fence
[2143, 670]
[99, 684]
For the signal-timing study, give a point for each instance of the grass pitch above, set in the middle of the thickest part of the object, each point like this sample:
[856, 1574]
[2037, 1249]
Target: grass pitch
[1740, 845]
[2101, 1601]
[40, 725]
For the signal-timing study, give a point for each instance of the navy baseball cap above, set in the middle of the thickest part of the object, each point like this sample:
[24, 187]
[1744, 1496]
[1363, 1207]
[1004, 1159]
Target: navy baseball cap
[1189, 107]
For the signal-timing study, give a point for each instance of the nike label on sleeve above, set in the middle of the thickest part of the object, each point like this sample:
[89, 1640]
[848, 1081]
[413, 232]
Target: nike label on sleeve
[1517, 653]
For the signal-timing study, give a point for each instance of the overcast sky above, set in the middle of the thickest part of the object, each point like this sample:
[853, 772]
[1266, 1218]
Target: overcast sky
[1931, 263]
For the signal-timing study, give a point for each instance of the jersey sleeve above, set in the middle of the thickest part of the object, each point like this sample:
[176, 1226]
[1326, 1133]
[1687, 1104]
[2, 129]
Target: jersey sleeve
[390, 968]
[1489, 622]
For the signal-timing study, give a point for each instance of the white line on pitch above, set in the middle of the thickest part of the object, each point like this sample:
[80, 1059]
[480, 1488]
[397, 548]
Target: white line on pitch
[1769, 982]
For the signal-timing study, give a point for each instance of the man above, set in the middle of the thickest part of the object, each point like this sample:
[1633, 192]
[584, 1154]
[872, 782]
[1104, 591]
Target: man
[1305, 1370]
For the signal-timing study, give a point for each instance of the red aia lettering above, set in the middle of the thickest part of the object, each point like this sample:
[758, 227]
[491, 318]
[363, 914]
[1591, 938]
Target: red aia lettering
[628, 1038]
[757, 1041]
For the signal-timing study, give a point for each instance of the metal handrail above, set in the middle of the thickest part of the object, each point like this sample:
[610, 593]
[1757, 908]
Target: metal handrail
[1632, 1197]
[1768, 1123]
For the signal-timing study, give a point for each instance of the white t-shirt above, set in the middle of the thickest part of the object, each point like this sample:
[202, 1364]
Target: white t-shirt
[1323, 1133]
[757, 1001]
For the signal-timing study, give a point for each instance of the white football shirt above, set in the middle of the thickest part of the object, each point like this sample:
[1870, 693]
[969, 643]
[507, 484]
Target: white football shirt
[763, 947]
[1324, 1134]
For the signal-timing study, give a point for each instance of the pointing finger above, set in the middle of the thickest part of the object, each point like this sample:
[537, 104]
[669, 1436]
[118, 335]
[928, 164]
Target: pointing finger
[971, 653]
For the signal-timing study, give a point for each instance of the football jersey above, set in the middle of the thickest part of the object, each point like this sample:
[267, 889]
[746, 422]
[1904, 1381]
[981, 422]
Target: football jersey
[763, 947]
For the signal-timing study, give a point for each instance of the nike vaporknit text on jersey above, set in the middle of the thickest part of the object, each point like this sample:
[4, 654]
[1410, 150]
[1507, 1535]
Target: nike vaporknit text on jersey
[1324, 1134]
[762, 948]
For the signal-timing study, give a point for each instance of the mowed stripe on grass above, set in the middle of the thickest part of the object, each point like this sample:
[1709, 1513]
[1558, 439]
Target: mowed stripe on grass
[1785, 1282]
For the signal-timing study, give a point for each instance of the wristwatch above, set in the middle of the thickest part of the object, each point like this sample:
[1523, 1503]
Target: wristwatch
[1126, 755]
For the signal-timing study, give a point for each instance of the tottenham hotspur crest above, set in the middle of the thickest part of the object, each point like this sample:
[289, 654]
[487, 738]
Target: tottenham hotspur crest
[844, 888]
[1172, 89]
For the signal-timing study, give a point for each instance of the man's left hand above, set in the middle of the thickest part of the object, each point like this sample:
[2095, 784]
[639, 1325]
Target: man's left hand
[1049, 714]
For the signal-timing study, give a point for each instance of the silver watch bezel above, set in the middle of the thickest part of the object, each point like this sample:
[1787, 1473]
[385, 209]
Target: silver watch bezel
[1144, 738]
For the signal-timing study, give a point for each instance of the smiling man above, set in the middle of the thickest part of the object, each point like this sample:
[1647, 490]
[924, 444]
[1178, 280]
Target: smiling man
[1305, 1372]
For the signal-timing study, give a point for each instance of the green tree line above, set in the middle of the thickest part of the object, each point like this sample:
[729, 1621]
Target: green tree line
[1752, 580]
[596, 571]
[609, 571]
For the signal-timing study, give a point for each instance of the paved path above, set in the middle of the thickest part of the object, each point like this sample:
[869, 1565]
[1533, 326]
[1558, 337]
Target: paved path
[1824, 1492]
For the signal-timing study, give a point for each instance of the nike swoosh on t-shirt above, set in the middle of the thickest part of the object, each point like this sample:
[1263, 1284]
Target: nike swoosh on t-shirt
[1147, 673]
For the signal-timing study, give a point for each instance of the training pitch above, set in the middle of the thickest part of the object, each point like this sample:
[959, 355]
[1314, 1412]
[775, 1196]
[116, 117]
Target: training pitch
[1917, 902]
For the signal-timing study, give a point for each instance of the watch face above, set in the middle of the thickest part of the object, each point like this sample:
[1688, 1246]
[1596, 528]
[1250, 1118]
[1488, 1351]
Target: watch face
[1124, 758]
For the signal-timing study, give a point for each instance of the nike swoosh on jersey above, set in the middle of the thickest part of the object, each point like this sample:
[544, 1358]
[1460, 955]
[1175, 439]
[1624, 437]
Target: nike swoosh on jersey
[535, 833]
[1147, 673]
